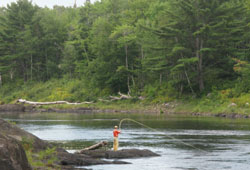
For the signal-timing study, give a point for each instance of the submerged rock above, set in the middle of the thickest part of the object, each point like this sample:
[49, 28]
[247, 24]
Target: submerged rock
[12, 154]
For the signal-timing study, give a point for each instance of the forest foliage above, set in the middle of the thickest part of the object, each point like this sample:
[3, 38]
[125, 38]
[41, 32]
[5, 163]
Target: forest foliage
[159, 49]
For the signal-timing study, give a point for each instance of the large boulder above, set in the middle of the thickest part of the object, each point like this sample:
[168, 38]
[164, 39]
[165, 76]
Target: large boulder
[13, 131]
[12, 154]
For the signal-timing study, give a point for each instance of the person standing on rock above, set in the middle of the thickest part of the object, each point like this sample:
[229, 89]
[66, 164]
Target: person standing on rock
[116, 142]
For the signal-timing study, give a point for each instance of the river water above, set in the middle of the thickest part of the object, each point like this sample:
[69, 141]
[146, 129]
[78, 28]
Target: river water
[184, 143]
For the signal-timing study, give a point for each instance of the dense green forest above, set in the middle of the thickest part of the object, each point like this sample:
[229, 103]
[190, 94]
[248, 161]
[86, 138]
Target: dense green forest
[162, 50]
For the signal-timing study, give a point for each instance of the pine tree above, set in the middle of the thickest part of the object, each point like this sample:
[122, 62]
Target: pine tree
[16, 38]
[201, 33]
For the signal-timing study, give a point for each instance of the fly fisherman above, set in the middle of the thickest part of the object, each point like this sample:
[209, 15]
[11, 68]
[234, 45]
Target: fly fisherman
[116, 142]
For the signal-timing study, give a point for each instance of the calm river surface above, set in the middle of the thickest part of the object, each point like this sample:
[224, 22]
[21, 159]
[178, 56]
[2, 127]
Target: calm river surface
[222, 143]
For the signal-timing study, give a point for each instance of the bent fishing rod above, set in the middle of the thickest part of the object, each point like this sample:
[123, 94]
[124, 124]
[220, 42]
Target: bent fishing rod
[180, 141]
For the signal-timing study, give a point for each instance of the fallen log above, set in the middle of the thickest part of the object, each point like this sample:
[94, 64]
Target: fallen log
[122, 96]
[93, 147]
[102, 100]
[125, 96]
[49, 103]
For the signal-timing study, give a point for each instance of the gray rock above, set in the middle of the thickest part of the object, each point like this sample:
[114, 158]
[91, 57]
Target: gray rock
[83, 160]
[13, 131]
[120, 154]
[12, 154]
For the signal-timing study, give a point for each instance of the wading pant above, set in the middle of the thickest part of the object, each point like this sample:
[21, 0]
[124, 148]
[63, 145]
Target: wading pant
[116, 143]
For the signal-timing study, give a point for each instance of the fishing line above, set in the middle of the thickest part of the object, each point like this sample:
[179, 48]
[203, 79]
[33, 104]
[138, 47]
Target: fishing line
[180, 141]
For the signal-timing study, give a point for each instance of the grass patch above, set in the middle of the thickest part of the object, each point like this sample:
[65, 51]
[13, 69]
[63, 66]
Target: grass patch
[44, 159]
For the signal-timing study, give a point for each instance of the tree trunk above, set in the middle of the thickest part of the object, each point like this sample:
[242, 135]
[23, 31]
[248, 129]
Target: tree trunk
[140, 73]
[199, 44]
[187, 77]
[49, 103]
[181, 89]
[86, 54]
[201, 82]
[189, 83]
[31, 67]
[46, 65]
[132, 77]
[126, 51]
[142, 53]
[0, 79]
[94, 147]
[11, 74]
[160, 78]
[24, 65]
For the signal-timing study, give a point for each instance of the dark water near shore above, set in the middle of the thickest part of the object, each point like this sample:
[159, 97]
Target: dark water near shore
[217, 143]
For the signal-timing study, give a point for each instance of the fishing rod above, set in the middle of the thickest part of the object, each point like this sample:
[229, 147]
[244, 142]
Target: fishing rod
[180, 141]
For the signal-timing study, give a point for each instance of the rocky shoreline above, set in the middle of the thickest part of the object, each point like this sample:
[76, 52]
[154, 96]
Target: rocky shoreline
[20, 108]
[13, 152]
[10, 108]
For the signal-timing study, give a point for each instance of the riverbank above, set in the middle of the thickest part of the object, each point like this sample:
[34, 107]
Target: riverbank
[222, 103]
[163, 109]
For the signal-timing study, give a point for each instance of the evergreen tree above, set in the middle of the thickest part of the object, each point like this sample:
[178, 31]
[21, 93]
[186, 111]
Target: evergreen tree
[200, 33]
[16, 38]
